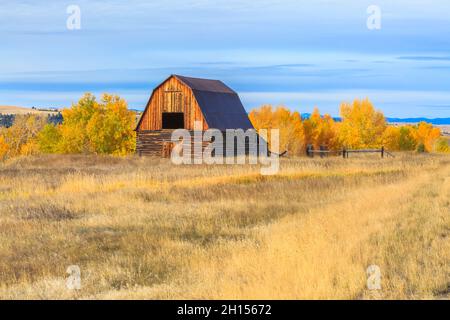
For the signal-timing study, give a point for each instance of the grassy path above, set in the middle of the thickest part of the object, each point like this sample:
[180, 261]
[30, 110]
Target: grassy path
[145, 229]
[402, 227]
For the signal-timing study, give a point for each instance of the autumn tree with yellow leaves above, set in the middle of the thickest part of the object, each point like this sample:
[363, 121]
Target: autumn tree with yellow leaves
[4, 147]
[21, 137]
[49, 139]
[289, 123]
[391, 138]
[399, 138]
[104, 127]
[320, 131]
[362, 126]
[427, 135]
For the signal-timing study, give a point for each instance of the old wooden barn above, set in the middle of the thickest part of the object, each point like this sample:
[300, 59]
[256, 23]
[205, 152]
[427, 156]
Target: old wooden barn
[178, 102]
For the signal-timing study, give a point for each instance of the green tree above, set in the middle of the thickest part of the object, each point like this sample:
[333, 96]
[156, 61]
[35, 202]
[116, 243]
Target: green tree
[49, 139]
[406, 139]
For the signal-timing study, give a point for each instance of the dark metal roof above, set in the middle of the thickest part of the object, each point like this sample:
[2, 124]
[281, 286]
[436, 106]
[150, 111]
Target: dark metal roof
[222, 110]
[220, 105]
[205, 84]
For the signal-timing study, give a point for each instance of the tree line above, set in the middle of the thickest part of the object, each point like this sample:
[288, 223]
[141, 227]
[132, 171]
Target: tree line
[361, 126]
[7, 120]
[106, 127]
[89, 126]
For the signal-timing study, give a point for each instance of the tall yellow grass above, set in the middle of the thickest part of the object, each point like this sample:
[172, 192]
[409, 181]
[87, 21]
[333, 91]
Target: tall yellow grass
[143, 228]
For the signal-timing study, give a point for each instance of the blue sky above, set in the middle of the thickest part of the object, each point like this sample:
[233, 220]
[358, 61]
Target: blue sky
[296, 53]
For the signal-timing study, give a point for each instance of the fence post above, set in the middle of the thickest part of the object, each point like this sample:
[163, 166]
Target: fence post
[382, 151]
[343, 152]
[310, 150]
[322, 154]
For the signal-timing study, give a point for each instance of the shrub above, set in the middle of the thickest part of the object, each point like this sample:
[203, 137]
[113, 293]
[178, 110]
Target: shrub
[421, 148]
[442, 145]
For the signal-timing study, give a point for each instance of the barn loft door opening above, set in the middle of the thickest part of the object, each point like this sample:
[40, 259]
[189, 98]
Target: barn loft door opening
[173, 120]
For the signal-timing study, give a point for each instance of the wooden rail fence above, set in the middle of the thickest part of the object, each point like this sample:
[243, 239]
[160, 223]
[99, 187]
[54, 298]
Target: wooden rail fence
[323, 152]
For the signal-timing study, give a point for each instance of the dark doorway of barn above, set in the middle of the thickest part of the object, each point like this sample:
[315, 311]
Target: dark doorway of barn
[173, 120]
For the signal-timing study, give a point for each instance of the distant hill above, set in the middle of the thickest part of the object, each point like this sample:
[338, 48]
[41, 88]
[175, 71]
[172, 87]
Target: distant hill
[435, 121]
[24, 110]
[9, 113]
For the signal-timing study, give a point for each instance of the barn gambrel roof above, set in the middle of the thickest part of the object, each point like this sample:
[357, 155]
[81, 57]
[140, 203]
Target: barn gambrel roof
[220, 105]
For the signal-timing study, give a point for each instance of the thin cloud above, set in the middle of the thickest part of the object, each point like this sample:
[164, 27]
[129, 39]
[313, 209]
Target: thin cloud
[425, 58]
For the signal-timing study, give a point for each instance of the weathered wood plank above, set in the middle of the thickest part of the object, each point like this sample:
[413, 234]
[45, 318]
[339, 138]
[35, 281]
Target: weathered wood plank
[172, 96]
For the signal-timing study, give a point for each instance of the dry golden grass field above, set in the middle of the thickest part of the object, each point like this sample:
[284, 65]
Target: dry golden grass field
[146, 229]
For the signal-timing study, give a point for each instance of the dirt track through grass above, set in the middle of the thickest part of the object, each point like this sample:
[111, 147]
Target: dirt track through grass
[142, 228]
